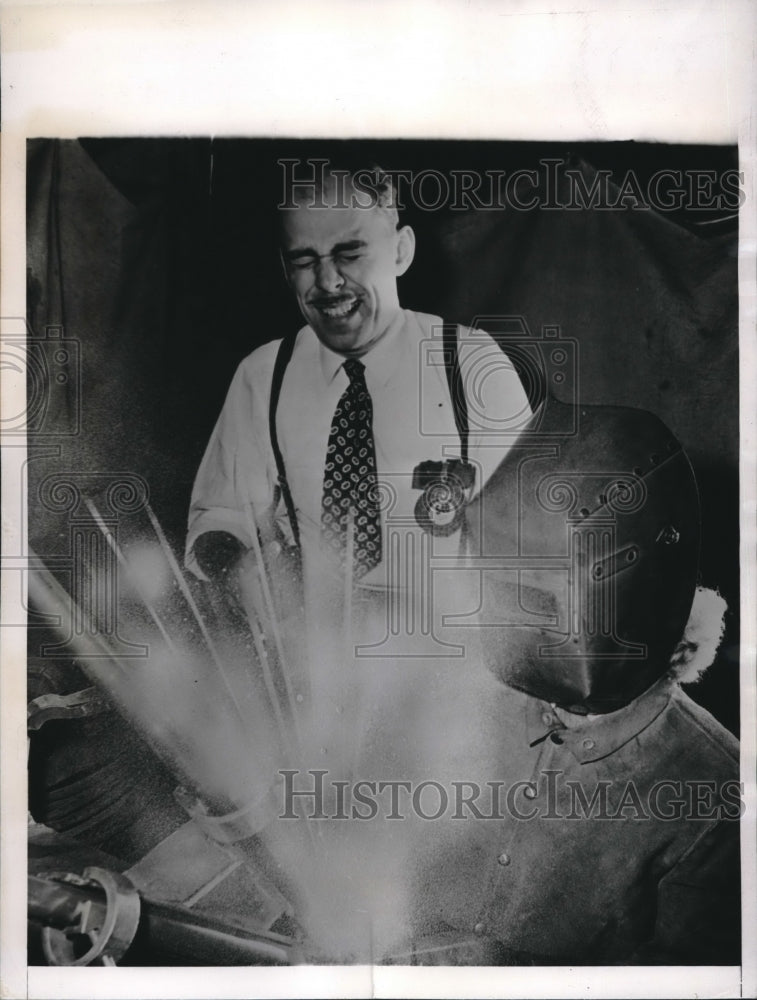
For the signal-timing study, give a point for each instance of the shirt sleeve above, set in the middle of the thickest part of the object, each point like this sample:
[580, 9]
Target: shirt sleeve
[498, 406]
[698, 918]
[234, 486]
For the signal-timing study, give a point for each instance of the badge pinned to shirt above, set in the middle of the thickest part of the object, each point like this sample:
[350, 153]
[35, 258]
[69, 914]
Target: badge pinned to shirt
[446, 488]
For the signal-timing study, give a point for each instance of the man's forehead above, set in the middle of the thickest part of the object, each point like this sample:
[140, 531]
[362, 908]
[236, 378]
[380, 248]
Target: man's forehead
[321, 229]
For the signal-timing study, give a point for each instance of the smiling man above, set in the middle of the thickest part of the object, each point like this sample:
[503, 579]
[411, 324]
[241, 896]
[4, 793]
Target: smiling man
[343, 264]
[322, 432]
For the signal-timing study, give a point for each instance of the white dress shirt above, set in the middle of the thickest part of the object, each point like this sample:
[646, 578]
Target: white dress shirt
[413, 422]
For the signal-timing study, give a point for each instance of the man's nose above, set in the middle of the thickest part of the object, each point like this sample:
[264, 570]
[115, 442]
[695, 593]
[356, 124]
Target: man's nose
[327, 275]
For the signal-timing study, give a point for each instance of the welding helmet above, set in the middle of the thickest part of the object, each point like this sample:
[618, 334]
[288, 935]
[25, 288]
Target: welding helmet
[587, 543]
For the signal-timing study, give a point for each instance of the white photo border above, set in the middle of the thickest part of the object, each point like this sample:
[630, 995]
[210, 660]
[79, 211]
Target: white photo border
[669, 72]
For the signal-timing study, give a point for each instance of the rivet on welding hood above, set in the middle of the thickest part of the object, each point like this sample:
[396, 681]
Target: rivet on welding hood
[669, 535]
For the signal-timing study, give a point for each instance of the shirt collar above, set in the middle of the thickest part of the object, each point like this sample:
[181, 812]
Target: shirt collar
[380, 362]
[604, 734]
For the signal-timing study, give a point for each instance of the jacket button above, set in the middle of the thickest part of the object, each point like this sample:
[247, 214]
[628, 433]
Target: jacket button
[299, 699]
[588, 744]
[479, 928]
[547, 719]
[503, 859]
[530, 792]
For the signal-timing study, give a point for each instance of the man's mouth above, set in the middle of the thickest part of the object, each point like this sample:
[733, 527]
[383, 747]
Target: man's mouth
[340, 308]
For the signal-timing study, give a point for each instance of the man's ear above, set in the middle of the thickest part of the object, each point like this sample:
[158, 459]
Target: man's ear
[405, 249]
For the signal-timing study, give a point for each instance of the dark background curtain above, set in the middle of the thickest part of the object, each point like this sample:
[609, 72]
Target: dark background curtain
[158, 258]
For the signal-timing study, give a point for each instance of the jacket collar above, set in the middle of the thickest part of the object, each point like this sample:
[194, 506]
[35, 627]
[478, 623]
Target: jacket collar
[599, 735]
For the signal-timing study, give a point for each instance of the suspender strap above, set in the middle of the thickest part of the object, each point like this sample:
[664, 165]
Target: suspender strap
[455, 382]
[282, 360]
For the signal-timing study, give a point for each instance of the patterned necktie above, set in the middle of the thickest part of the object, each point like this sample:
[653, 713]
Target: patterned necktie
[349, 482]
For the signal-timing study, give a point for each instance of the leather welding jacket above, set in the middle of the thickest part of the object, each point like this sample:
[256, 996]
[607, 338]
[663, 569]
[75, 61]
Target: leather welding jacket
[650, 875]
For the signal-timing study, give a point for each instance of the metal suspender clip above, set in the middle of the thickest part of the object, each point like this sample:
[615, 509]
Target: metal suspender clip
[440, 509]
